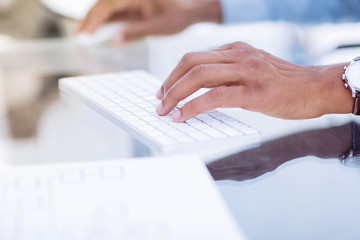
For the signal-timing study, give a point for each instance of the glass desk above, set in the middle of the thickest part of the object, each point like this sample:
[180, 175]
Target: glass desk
[294, 187]
[36, 125]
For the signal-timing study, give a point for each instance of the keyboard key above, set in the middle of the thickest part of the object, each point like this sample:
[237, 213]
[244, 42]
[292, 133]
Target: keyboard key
[231, 131]
[199, 136]
[215, 133]
[146, 128]
[131, 118]
[249, 131]
[139, 123]
[165, 140]
[122, 114]
[185, 139]
[155, 133]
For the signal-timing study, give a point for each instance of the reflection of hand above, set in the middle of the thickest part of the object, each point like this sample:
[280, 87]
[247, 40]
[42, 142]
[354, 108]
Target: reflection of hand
[150, 17]
[323, 143]
[242, 76]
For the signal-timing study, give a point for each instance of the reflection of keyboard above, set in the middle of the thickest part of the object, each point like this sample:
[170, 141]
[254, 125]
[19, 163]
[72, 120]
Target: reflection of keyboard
[128, 99]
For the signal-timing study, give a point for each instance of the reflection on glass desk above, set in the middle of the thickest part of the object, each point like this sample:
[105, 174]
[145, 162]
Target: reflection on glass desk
[294, 187]
[35, 125]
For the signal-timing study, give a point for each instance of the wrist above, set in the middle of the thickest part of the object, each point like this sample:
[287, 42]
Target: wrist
[206, 11]
[335, 97]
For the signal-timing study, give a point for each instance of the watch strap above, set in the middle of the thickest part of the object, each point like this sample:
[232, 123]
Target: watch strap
[356, 109]
[355, 138]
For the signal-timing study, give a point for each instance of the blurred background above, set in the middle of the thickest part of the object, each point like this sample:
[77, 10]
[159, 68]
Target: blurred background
[36, 49]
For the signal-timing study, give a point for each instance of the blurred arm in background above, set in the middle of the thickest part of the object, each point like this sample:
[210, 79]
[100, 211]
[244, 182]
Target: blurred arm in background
[150, 17]
[165, 17]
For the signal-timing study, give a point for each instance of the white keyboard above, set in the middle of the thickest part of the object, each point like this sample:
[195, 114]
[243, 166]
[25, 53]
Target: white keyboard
[128, 99]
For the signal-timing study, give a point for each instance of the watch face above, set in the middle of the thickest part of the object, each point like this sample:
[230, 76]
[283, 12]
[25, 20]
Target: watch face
[353, 75]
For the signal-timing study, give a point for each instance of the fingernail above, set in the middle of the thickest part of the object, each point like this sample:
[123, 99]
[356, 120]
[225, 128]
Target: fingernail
[176, 116]
[159, 94]
[159, 108]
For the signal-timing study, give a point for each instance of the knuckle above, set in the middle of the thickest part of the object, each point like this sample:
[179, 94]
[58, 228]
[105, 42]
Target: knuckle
[190, 109]
[188, 57]
[172, 97]
[254, 63]
[218, 94]
[262, 52]
[243, 54]
[199, 70]
[237, 43]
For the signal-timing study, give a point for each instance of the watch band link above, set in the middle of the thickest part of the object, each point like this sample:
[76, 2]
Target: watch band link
[356, 109]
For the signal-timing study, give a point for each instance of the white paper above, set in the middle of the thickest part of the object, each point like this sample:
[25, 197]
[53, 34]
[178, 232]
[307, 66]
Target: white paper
[168, 198]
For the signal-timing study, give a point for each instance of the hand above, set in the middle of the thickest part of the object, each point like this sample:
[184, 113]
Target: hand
[149, 17]
[242, 76]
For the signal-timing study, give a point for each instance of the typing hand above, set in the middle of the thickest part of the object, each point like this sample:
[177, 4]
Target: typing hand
[149, 17]
[242, 76]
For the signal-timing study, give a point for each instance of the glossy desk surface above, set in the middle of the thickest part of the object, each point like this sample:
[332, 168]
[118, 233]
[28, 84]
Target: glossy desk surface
[294, 187]
[291, 186]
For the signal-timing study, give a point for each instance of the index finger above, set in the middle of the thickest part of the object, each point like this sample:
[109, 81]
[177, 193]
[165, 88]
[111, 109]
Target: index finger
[97, 15]
[188, 62]
[103, 10]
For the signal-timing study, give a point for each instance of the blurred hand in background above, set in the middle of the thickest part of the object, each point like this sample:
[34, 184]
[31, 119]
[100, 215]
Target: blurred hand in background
[149, 17]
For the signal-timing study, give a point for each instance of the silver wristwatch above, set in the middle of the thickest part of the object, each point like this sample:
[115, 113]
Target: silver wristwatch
[352, 81]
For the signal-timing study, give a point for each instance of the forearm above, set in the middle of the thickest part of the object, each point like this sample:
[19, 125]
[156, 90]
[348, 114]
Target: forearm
[205, 11]
[305, 11]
